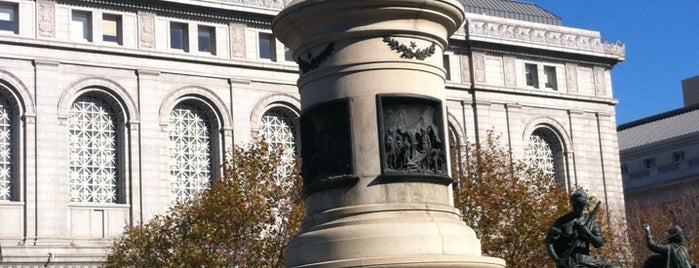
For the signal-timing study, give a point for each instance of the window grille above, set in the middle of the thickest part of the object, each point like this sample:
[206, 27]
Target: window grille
[6, 152]
[540, 154]
[190, 152]
[93, 151]
[279, 131]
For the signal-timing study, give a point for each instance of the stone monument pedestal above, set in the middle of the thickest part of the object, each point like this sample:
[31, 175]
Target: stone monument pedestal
[374, 149]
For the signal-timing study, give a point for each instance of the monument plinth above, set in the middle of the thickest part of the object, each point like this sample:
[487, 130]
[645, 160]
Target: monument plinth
[373, 135]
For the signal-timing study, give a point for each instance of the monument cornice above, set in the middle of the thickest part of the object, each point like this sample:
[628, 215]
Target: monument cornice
[540, 36]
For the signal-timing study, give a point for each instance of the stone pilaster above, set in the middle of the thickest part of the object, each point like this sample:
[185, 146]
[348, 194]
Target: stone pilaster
[151, 166]
[51, 179]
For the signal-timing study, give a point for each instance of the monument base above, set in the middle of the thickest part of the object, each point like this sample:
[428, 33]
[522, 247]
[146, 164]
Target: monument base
[427, 261]
[390, 235]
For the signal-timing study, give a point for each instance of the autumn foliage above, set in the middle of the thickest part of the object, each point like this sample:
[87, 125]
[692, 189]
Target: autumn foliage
[510, 204]
[660, 217]
[246, 219]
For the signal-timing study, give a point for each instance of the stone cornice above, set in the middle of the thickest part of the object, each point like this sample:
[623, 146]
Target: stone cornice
[535, 35]
[269, 7]
[230, 10]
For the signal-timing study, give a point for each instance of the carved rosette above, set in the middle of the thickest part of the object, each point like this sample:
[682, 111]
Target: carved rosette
[146, 29]
[411, 137]
[237, 40]
[46, 18]
[327, 147]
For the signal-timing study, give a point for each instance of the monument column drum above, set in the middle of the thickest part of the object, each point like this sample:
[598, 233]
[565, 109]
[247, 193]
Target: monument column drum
[373, 135]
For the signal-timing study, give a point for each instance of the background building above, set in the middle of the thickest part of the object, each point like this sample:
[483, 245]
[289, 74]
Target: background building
[112, 110]
[660, 154]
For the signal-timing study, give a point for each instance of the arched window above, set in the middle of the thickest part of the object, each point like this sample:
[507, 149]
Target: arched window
[190, 151]
[93, 142]
[456, 152]
[278, 127]
[545, 152]
[7, 150]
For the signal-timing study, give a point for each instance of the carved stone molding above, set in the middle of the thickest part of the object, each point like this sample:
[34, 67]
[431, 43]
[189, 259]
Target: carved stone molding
[237, 40]
[531, 34]
[46, 14]
[510, 75]
[146, 29]
[571, 78]
[46, 63]
[134, 126]
[146, 72]
[466, 69]
[272, 4]
[479, 67]
[30, 119]
[600, 85]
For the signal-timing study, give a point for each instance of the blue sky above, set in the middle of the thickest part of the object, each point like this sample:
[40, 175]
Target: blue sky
[662, 47]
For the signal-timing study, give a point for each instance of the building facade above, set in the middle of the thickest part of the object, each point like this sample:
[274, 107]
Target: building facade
[110, 111]
[660, 155]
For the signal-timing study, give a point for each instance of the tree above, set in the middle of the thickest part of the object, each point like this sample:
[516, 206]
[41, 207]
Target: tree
[246, 219]
[510, 204]
[661, 216]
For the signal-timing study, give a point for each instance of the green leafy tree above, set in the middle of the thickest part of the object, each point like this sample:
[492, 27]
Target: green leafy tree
[246, 219]
[509, 204]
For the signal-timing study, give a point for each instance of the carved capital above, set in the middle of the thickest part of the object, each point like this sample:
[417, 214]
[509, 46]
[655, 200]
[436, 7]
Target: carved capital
[46, 63]
[30, 119]
[144, 72]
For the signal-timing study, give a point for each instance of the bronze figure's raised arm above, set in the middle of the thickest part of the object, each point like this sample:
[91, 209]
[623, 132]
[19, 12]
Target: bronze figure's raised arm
[670, 255]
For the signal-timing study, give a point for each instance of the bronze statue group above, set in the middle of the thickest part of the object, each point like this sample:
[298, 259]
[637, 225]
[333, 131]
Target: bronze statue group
[569, 239]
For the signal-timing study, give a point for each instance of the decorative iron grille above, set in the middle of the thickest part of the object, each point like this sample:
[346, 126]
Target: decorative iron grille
[93, 151]
[540, 154]
[6, 152]
[278, 130]
[190, 152]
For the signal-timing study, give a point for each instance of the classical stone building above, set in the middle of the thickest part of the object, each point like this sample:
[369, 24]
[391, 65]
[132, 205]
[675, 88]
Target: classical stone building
[112, 110]
[660, 154]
